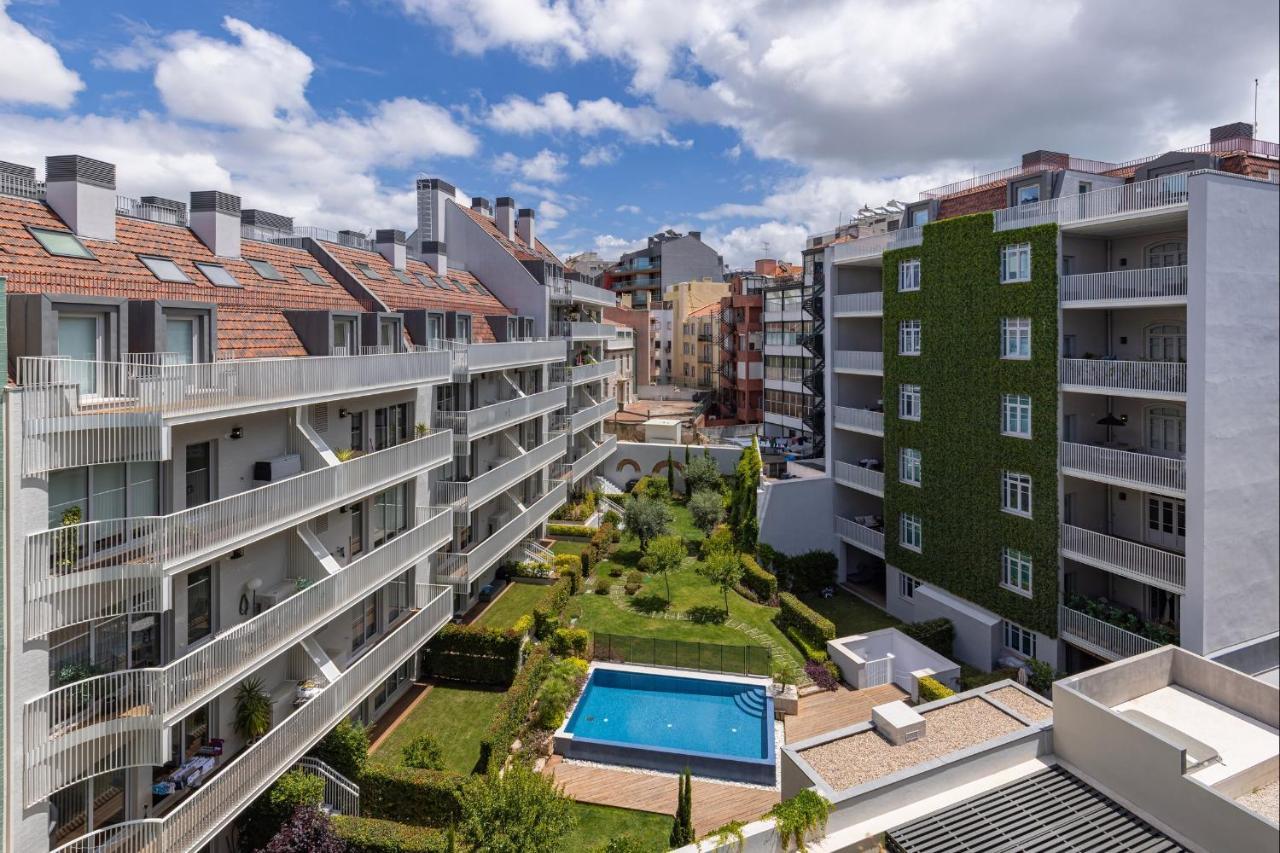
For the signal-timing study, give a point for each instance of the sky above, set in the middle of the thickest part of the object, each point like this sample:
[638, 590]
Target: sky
[753, 122]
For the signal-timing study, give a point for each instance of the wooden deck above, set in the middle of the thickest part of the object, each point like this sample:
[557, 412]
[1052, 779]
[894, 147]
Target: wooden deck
[714, 803]
[834, 709]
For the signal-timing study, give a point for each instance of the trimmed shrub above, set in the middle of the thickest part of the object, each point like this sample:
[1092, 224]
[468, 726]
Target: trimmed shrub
[570, 641]
[265, 815]
[808, 623]
[822, 674]
[570, 531]
[546, 613]
[423, 753]
[590, 556]
[370, 835]
[763, 585]
[1039, 676]
[512, 716]
[812, 570]
[611, 519]
[409, 795]
[476, 654]
[931, 690]
[811, 652]
[653, 487]
[938, 634]
[603, 585]
[635, 580]
[345, 748]
[522, 626]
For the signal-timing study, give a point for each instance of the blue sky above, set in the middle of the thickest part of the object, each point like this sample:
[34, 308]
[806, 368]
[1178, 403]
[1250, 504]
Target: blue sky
[755, 122]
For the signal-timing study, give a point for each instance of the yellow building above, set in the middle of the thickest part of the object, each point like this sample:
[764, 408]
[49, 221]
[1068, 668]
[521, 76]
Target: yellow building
[694, 310]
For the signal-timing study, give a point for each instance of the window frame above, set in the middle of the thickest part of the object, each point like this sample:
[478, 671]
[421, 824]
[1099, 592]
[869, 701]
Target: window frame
[1025, 188]
[197, 577]
[1017, 639]
[205, 266]
[907, 586]
[908, 463]
[318, 281]
[1016, 493]
[905, 394]
[1017, 330]
[910, 522]
[908, 334]
[369, 272]
[1015, 566]
[37, 232]
[913, 265]
[257, 265]
[1015, 273]
[145, 259]
[1011, 411]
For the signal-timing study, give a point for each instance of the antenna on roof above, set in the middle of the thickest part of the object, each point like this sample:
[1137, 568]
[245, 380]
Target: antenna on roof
[766, 248]
[1255, 106]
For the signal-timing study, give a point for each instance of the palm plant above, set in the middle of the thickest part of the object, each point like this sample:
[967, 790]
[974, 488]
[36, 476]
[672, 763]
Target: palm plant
[253, 710]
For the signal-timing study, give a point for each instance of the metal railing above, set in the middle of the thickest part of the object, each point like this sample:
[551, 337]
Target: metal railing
[681, 654]
[21, 186]
[584, 418]
[1102, 638]
[95, 569]
[587, 462]
[470, 358]
[342, 238]
[139, 209]
[579, 373]
[859, 477]
[1165, 192]
[620, 341]
[340, 793]
[1125, 467]
[1152, 284]
[212, 806]
[859, 420]
[465, 496]
[462, 567]
[860, 535]
[877, 244]
[577, 331]
[1134, 560]
[1153, 378]
[482, 420]
[871, 361]
[848, 304]
[567, 290]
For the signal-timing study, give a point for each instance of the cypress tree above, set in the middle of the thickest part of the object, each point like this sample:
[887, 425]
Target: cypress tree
[682, 825]
[688, 491]
[671, 474]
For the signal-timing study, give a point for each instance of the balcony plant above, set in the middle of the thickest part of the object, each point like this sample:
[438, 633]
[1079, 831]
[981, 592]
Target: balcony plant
[67, 543]
[800, 818]
[253, 710]
[346, 454]
[421, 429]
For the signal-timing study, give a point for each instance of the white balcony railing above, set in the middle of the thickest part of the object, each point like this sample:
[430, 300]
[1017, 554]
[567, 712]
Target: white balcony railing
[855, 304]
[468, 358]
[462, 567]
[587, 462]
[585, 417]
[859, 361]
[580, 331]
[1160, 379]
[622, 339]
[1149, 286]
[106, 568]
[92, 412]
[1137, 470]
[566, 290]
[1101, 638]
[866, 538]
[101, 723]
[580, 373]
[480, 421]
[858, 420]
[877, 244]
[468, 495]
[208, 810]
[864, 479]
[1134, 560]
[1167, 192]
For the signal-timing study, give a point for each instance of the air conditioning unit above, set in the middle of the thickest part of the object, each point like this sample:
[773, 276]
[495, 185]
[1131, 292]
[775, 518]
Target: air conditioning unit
[278, 468]
[897, 722]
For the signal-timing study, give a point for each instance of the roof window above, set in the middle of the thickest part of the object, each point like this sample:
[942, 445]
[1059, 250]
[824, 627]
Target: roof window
[265, 270]
[218, 274]
[64, 244]
[164, 269]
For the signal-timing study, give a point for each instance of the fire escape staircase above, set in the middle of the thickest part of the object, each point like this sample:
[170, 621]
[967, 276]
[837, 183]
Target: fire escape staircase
[814, 381]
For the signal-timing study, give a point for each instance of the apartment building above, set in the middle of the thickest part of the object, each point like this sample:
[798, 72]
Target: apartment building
[697, 357]
[667, 259]
[793, 357]
[741, 341]
[632, 330]
[588, 264]
[1042, 424]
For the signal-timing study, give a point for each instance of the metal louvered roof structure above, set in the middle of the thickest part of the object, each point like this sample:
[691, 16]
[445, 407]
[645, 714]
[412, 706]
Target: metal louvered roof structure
[1051, 810]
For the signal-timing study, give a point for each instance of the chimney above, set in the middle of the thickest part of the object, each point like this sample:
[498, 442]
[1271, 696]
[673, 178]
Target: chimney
[504, 214]
[268, 221]
[525, 227]
[432, 195]
[1235, 130]
[215, 219]
[390, 243]
[83, 194]
[1045, 160]
[481, 204]
[766, 266]
[435, 255]
[697, 235]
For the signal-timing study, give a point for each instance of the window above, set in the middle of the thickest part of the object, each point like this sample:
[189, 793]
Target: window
[920, 217]
[199, 604]
[310, 275]
[909, 337]
[1167, 342]
[265, 270]
[183, 339]
[1015, 570]
[364, 621]
[1015, 337]
[1028, 195]
[398, 596]
[1019, 639]
[426, 280]
[1016, 493]
[389, 517]
[909, 275]
[390, 426]
[163, 268]
[369, 272]
[82, 338]
[909, 402]
[1015, 415]
[909, 532]
[103, 492]
[404, 278]
[64, 244]
[909, 466]
[1166, 431]
[1170, 254]
[907, 586]
[218, 274]
[1015, 263]
[1084, 187]
[344, 336]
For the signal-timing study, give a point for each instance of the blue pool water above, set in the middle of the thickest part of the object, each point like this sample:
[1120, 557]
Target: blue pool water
[676, 714]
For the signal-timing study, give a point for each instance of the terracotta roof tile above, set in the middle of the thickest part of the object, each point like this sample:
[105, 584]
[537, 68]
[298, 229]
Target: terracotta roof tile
[519, 250]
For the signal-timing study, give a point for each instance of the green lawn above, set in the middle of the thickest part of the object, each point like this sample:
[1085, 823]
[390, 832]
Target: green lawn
[456, 716]
[599, 824]
[851, 614]
[516, 600]
[569, 546]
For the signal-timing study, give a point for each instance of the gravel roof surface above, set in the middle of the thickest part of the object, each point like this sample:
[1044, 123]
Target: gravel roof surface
[1264, 801]
[865, 756]
[1021, 703]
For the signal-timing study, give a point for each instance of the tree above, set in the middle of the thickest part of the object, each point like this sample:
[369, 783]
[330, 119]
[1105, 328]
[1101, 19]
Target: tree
[671, 474]
[345, 749]
[688, 490]
[725, 571]
[646, 519]
[267, 814]
[682, 826]
[308, 830]
[707, 509]
[742, 511]
[518, 812]
[665, 555]
[424, 753]
[703, 474]
[719, 542]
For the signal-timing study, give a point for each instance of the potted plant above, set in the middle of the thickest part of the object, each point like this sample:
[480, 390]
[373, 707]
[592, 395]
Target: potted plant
[786, 694]
[253, 710]
[421, 429]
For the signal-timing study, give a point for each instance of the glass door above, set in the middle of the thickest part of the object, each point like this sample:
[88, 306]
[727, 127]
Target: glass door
[1166, 431]
[344, 337]
[1166, 522]
[80, 338]
[181, 340]
[198, 475]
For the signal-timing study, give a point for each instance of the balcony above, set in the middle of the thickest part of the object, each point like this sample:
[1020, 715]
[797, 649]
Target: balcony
[1135, 288]
[106, 568]
[622, 339]
[1135, 469]
[566, 290]
[85, 728]
[460, 568]
[1158, 380]
[587, 462]
[860, 536]
[579, 331]
[469, 358]
[858, 477]
[858, 420]
[475, 423]
[872, 247]
[92, 412]
[1099, 638]
[1133, 560]
[209, 809]
[578, 374]
[1166, 194]
[589, 415]
[868, 362]
[466, 496]
[858, 304]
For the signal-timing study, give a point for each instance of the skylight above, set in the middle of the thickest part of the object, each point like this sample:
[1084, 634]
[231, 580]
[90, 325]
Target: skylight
[219, 275]
[404, 278]
[62, 243]
[265, 270]
[310, 275]
[369, 272]
[426, 280]
[164, 269]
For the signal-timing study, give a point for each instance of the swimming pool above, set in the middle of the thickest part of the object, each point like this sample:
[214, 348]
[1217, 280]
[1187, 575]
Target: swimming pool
[716, 726]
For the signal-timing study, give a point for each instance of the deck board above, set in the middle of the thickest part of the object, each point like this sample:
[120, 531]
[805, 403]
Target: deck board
[835, 709]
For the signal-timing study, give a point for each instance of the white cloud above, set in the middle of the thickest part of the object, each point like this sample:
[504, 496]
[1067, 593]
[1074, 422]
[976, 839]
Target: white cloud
[31, 70]
[600, 155]
[733, 152]
[546, 166]
[540, 31]
[554, 112]
[629, 208]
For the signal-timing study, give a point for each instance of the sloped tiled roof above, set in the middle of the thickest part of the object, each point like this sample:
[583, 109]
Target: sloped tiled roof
[521, 251]
[250, 319]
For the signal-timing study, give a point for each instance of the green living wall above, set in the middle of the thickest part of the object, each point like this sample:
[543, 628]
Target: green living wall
[962, 379]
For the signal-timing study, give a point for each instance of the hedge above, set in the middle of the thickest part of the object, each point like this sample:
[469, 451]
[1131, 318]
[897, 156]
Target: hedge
[938, 634]
[931, 689]
[962, 378]
[409, 795]
[574, 531]
[371, 835]
[811, 571]
[762, 584]
[546, 613]
[811, 653]
[475, 654]
[815, 628]
[570, 641]
[512, 716]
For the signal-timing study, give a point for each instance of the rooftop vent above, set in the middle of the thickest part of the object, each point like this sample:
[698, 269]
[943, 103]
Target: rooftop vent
[82, 191]
[390, 243]
[897, 723]
[482, 204]
[1235, 130]
[267, 220]
[215, 219]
